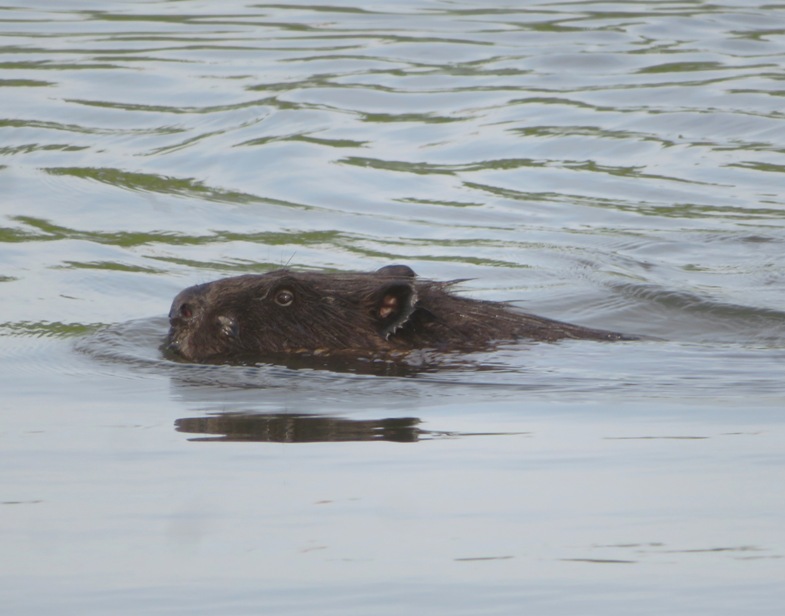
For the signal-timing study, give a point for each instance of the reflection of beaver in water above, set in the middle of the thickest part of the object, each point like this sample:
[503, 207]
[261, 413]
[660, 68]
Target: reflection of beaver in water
[382, 314]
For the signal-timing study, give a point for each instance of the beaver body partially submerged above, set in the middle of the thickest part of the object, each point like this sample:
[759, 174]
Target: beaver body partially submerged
[384, 314]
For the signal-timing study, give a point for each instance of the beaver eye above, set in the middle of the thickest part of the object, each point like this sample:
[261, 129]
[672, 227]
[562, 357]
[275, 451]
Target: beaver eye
[284, 297]
[186, 311]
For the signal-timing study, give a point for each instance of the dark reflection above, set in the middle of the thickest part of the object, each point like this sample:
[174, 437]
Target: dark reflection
[300, 428]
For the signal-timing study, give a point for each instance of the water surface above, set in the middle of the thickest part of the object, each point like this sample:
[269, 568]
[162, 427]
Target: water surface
[614, 164]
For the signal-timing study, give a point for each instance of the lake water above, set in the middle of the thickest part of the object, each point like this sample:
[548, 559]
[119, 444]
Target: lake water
[614, 164]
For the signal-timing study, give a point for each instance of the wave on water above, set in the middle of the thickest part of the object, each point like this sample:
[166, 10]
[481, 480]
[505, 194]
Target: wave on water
[561, 370]
[681, 315]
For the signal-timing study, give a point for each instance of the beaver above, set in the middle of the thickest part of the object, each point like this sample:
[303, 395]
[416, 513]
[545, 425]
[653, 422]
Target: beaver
[384, 314]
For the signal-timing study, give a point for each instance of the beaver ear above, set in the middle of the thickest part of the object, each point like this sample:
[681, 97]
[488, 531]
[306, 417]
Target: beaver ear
[394, 303]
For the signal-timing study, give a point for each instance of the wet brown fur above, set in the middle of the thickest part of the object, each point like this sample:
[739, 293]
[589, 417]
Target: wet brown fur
[382, 314]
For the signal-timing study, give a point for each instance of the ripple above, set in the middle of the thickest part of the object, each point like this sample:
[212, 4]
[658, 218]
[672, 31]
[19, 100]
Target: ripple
[561, 370]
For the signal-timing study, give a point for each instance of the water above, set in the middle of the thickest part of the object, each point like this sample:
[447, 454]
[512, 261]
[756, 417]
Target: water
[613, 164]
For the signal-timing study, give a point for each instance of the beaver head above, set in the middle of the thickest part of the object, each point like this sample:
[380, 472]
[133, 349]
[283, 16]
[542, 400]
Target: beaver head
[285, 312]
